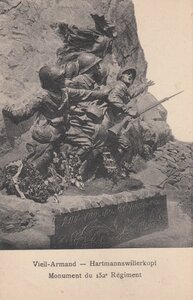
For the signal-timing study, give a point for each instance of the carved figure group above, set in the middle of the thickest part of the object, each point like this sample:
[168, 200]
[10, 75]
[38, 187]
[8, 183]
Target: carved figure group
[77, 111]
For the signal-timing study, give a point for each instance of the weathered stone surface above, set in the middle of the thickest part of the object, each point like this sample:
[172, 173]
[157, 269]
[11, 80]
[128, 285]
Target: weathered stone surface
[155, 130]
[108, 225]
[178, 234]
[127, 47]
[146, 100]
[13, 220]
[27, 42]
[126, 212]
[167, 175]
[152, 175]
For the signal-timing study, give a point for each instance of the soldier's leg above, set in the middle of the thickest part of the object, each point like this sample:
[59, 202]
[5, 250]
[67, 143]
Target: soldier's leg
[42, 157]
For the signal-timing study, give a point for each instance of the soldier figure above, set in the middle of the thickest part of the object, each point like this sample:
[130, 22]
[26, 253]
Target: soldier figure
[86, 117]
[97, 40]
[89, 74]
[121, 109]
[121, 95]
[53, 104]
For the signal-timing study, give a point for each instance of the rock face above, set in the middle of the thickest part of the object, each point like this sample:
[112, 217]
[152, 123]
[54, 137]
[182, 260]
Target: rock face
[127, 47]
[29, 41]
[155, 130]
[171, 170]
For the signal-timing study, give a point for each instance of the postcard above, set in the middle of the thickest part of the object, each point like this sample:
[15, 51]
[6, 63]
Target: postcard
[96, 155]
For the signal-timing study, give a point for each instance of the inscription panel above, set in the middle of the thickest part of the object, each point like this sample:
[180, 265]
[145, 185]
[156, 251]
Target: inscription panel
[110, 225]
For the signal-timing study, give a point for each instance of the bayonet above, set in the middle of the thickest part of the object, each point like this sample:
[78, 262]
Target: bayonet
[160, 102]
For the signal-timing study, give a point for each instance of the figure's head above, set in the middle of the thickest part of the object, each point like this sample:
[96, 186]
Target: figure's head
[127, 75]
[52, 78]
[88, 63]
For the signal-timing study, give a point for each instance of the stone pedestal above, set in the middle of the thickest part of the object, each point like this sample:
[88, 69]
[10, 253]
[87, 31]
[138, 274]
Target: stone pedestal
[81, 221]
[105, 221]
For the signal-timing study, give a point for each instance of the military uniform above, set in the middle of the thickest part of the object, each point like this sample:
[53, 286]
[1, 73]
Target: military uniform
[120, 107]
[120, 97]
[82, 82]
[53, 106]
[53, 119]
[87, 118]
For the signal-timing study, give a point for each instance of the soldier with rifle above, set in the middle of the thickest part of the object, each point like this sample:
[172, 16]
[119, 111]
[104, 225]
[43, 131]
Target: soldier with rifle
[123, 91]
[120, 109]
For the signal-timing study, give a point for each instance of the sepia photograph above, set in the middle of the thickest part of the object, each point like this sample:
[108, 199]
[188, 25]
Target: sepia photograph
[96, 126]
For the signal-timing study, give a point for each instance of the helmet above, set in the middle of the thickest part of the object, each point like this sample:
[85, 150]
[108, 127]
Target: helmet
[127, 70]
[50, 75]
[87, 61]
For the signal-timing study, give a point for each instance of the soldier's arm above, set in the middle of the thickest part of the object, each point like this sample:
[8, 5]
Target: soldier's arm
[24, 112]
[77, 95]
[115, 98]
[76, 83]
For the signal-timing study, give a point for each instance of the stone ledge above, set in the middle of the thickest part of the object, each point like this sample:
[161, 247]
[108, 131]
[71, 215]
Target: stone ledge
[85, 221]
[69, 204]
[110, 219]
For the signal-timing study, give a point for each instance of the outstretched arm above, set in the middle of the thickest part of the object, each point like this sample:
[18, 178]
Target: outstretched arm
[19, 114]
[116, 97]
[77, 95]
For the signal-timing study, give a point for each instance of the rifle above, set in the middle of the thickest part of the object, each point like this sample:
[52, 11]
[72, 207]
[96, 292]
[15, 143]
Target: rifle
[116, 129]
[159, 102]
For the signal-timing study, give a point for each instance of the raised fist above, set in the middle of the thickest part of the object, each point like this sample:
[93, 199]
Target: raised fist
[7, 111]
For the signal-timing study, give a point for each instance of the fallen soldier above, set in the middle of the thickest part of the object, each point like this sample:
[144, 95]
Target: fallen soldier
[96, 40]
